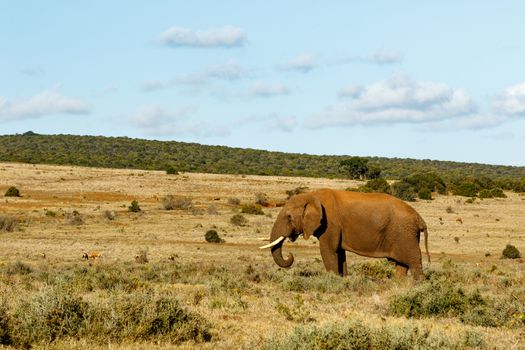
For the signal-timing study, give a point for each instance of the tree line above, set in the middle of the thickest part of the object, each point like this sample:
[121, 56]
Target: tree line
[124, 152]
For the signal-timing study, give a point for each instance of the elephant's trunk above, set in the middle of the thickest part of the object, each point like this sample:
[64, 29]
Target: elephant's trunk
[278, 256]
[280, 228]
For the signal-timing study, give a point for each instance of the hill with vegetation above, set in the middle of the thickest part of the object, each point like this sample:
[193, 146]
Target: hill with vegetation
[123, 152]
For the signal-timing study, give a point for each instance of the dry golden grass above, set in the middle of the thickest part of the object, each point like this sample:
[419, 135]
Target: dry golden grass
[245, 315]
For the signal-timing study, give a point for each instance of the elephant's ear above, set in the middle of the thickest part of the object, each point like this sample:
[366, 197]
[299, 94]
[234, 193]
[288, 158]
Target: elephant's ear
[312, 216]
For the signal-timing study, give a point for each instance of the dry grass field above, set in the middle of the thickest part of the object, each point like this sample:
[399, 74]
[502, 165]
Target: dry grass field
[231, 295]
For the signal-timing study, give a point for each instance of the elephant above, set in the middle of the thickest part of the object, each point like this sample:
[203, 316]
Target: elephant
[369, 224]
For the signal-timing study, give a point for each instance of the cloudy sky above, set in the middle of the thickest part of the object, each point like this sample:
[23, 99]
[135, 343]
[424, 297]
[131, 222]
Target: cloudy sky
[431, 80]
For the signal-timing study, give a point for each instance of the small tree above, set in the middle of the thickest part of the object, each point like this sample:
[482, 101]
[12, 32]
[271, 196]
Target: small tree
[355, 167]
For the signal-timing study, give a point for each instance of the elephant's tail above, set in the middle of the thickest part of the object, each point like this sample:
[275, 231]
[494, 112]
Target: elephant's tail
[425, 231]
[423, 228]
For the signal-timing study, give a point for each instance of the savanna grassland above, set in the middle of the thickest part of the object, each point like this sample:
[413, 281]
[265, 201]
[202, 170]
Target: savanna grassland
[157, 283]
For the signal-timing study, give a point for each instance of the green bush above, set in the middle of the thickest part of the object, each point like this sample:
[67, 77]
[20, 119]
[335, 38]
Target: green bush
[297, 190]
[511, 252]
[170, 170]
[57, 313]
[440, 297]
[134, 207]
[403, 190]
[376, 185]
[12, 192]
[435, 298]
[495, 192]
[429, 181]
[252, 209]
[238, 220]
[212, 236]
[465, 188]
[425, 193]
[355, 334]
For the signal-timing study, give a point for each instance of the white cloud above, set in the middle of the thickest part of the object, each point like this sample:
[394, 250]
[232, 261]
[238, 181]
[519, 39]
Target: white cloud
[262, 89]
[229, 71]
[303, 63]
[398, 99]
[511, 101]
[155, 120]
[48, 102]
[282, 123]
[219, 37]
[385, 57]
[380, 57]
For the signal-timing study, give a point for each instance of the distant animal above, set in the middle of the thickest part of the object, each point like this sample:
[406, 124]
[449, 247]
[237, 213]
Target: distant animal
[92, 255]
[43, 255]
[369, 224]
[460, 220]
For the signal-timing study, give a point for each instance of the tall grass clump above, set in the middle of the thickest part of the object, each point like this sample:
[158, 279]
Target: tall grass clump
[441, 298]
[356, 335]
[145, 316]
[171, 202]
[8, 223]
[58, 313]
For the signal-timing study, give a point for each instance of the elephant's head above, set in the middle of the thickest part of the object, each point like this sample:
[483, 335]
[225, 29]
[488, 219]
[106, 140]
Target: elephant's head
[301, 215]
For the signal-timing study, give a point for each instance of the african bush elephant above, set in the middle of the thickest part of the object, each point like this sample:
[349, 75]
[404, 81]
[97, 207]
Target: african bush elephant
[369, 224]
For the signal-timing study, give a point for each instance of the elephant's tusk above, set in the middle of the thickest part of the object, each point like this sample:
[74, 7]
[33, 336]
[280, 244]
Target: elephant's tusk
[263, 239]
[277, 241]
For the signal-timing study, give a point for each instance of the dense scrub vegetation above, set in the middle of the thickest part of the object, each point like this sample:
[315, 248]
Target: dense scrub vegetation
[123, 152]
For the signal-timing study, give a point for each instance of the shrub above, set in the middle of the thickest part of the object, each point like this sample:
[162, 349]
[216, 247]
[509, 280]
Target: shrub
[234, 201]
[134, 207]
[147, 316]
[297, 190]
[12, 192]
[8, 223]
[356, 335]
[261, 199]
[74, 218]
[212, 210]
[19, 268]
[492, 193]
[5, 326]
[425, 193]
[213, 237]
[110, 214]
[170, 170]
[252, 209]
[53, 313]
[142, 257]
[437, 298]
[376, 185]
[404, 191]
[239, 220]
[430, 181]
[465, 188]
[171, 202]
[511, 252]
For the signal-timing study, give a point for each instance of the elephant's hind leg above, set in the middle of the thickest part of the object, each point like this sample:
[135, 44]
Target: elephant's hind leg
[341, 262]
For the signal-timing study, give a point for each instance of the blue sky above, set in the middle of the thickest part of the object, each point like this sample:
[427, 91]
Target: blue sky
[430, 80]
